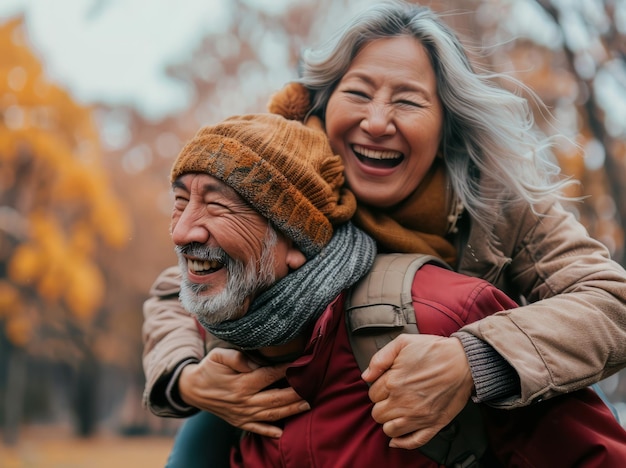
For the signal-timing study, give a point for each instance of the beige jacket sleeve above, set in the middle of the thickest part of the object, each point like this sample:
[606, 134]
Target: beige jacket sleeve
[170, 337]
[573, 332]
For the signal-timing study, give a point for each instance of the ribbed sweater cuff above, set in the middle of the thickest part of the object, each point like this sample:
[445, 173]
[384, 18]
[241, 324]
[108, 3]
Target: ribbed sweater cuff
[494, 378]
[171, 391]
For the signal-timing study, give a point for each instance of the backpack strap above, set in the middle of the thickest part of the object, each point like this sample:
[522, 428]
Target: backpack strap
[378, 309]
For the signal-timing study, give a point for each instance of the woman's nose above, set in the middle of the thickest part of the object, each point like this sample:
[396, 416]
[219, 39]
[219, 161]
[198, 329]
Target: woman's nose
[378, 120]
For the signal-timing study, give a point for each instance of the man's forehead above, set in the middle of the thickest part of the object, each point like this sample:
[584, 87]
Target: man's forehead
[205, 183]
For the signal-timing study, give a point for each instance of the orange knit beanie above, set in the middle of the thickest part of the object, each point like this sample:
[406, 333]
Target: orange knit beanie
[292, 101]
[284, 169]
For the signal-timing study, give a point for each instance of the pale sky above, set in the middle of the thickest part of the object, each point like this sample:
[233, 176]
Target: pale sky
[115, 50]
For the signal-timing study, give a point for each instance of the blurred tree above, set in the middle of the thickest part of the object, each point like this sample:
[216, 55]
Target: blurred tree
[597, 62]
[573, 57]
[56, 211]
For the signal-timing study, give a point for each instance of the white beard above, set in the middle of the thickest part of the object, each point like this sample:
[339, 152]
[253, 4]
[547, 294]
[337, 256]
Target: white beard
[244, 281]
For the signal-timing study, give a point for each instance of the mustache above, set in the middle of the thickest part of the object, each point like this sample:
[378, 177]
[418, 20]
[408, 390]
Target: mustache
[203, 252]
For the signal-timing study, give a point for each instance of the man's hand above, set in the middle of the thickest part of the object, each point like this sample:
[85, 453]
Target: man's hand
[420, 383]
[228, 385]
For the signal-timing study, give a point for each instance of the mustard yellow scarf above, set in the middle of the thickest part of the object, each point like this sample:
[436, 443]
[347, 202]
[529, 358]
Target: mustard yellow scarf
[418, 224]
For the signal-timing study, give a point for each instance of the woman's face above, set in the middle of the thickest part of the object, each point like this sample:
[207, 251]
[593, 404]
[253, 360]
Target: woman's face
[385, 119]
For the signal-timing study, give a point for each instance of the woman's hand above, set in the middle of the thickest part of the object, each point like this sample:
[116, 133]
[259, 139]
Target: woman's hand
[228, 385]
[419, 384]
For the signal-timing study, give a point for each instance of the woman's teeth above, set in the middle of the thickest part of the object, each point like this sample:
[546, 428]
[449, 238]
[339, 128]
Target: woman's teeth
[383, 159]
[376, 154]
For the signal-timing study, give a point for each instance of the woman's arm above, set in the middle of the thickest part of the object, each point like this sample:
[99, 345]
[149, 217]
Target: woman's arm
[573, 332]
[171, 338]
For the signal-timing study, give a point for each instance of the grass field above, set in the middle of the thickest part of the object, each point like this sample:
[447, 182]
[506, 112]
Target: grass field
[56, 449]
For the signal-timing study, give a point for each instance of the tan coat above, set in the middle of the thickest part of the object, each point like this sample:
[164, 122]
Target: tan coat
[571, 335]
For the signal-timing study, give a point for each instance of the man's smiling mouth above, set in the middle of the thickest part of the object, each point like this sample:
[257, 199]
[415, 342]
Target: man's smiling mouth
[203, 267]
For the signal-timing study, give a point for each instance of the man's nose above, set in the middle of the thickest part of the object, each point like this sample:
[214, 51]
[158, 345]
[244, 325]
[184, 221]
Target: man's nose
[190, 226]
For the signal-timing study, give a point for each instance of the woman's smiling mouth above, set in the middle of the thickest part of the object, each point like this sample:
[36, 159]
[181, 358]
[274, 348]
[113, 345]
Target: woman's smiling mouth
[383, 159]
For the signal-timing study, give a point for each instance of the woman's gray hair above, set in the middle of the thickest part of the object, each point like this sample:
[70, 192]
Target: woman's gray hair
[487, 130]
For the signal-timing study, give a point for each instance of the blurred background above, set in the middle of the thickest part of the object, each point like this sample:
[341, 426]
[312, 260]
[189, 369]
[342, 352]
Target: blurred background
[96, 99]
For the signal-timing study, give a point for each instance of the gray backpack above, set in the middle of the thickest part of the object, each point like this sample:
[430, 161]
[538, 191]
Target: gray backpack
[378, 309]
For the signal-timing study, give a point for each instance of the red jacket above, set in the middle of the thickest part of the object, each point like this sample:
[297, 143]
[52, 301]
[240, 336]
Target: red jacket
[339, 431]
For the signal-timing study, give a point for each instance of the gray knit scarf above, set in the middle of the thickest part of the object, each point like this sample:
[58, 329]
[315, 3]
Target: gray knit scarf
[296, 301]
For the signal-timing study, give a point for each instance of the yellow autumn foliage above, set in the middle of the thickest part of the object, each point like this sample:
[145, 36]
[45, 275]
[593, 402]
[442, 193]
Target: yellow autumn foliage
[17, 320]
[9, 298]
[85, 289]
[54, 180]
[51, 283]
[26, 264]
[110, 218]
[73, 181]
[19, 330]
[81, 238]
[8, 147]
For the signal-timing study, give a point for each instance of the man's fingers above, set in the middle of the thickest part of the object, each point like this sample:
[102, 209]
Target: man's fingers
[382, 360]
[384, 412]
[275, 404]
[413, 440]
[271, 374]
[279, 397]
[232, 359]
[254, 376]
[250, 419]
[266, 430]
[277, 413]
[259, 411]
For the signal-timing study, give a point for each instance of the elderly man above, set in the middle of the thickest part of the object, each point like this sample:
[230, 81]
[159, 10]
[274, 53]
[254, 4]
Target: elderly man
[267, 254]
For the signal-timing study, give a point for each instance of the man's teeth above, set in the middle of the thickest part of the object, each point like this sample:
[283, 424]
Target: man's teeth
[376, 154]
[204, 265]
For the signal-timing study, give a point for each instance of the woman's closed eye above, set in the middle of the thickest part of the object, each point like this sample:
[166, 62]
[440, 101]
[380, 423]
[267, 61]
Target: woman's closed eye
[408, 103]
[357, 93]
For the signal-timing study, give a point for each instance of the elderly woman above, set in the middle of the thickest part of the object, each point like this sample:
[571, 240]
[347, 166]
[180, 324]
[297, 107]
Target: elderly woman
[444, 162]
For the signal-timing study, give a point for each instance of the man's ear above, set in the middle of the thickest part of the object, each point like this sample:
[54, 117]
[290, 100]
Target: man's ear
[295, 257]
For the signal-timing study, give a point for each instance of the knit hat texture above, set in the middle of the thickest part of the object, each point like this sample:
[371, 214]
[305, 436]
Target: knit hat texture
[292, 101]
[282, 168]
